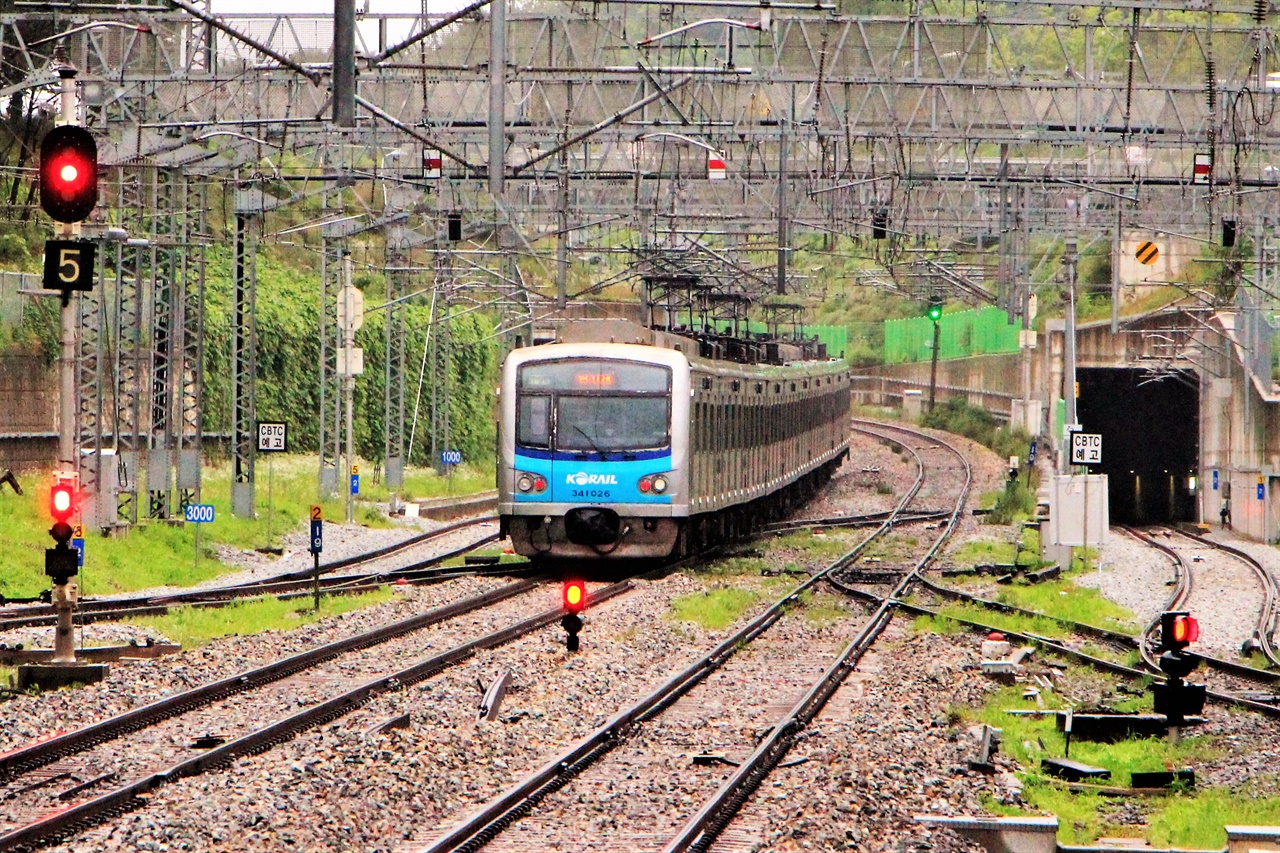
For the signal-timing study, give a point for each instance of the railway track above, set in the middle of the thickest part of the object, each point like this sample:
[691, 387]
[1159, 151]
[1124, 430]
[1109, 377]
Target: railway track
[101, 770]
[522, 799]
[1263, 635]
[289, 584]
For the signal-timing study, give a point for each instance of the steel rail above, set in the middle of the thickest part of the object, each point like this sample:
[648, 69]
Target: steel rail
[476, 829]
[701, 831]
[39, 754]
[867, 520]
[1267, 617]
[78, 817]
[1218, 697]
[1140, 643]
[1182, 587]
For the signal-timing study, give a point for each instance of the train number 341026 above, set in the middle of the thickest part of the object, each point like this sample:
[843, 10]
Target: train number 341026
[591, 493]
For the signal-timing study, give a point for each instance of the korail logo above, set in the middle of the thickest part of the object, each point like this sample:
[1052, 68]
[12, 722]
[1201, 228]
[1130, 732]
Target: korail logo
[584, 479]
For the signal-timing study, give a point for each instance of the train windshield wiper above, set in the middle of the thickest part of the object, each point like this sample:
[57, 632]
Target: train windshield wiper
[590, 440]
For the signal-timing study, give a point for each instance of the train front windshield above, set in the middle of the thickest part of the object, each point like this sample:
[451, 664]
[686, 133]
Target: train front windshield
[586, 406]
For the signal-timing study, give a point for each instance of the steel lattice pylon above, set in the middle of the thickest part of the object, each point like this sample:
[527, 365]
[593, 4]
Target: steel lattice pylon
[131, 268]
[244, 352]
[189, 345]
[825, 115]
[399, 283]
[330, 432]
[91, 389]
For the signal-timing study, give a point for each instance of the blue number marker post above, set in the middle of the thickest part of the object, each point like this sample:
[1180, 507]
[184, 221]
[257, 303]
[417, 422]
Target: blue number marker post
[317, 545]
[199, 515]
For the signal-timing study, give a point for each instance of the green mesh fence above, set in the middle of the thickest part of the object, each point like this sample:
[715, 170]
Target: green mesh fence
[982, 331]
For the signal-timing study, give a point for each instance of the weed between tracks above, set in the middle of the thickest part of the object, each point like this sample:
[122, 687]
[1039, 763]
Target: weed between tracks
[192, 626]
[716, 608]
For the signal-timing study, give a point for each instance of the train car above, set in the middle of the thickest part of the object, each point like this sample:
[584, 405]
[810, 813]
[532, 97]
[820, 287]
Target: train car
[637, 449]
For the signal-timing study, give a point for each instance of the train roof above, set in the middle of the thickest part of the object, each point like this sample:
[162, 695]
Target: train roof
[668, 357]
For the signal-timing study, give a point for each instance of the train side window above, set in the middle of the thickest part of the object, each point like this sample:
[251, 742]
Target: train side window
[533, 420]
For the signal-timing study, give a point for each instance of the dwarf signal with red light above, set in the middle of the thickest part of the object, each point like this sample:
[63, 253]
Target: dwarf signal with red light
[575, 601]
[1177, 699]
[68, 173]
[1178, 629]
[575, 596]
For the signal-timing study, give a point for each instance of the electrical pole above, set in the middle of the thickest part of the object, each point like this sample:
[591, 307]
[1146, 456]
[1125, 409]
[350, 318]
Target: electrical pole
[344, 63]
[933, 368]
[349, 321]
[1069, 348]
[497, 95]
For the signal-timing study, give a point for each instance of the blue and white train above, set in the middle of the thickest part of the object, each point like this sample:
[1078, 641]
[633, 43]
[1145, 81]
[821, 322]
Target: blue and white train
[638, 450]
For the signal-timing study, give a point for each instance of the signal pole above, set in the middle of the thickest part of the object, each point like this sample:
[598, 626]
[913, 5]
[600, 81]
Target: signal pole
[349, 376]
[64, 641]
[68, 194]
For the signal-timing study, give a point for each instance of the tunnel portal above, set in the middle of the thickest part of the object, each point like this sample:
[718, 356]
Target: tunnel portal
[1150, 441]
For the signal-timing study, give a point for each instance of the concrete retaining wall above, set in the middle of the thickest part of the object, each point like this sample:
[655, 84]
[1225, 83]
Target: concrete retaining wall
[28, 416]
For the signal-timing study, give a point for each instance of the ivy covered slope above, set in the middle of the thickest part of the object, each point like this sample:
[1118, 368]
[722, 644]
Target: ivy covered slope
[288, 381]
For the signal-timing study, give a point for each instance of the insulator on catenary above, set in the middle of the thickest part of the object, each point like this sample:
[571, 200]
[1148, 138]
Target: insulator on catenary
[1210, 84]
[1261, 8]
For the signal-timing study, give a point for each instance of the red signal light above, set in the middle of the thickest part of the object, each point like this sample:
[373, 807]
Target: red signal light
[68, 173]
[62, 501]
[1178, 629]
[575, 596]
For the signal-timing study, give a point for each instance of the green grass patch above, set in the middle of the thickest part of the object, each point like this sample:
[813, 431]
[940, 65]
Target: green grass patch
[978, 552]
[733, 567]
[937, 625]
[159, 554]
[715, 609]
[1062, 599]
[1042, 625]
[195, 626]
[1197, 819]
[822, 609]
[826, 546]
[1188, 818]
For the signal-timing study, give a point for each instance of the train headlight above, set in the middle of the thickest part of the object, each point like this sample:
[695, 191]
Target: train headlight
[535, 483]
[652, 484]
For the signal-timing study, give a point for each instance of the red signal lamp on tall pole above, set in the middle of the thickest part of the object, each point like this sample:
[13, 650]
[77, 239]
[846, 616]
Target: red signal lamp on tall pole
[68, 173]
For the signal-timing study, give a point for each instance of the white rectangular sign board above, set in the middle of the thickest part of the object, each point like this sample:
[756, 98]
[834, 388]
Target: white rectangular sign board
[1079, 511]
[272, 437]
[1086, 448]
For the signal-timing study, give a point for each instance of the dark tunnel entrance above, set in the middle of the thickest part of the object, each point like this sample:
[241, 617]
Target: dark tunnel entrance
[1150, 441]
